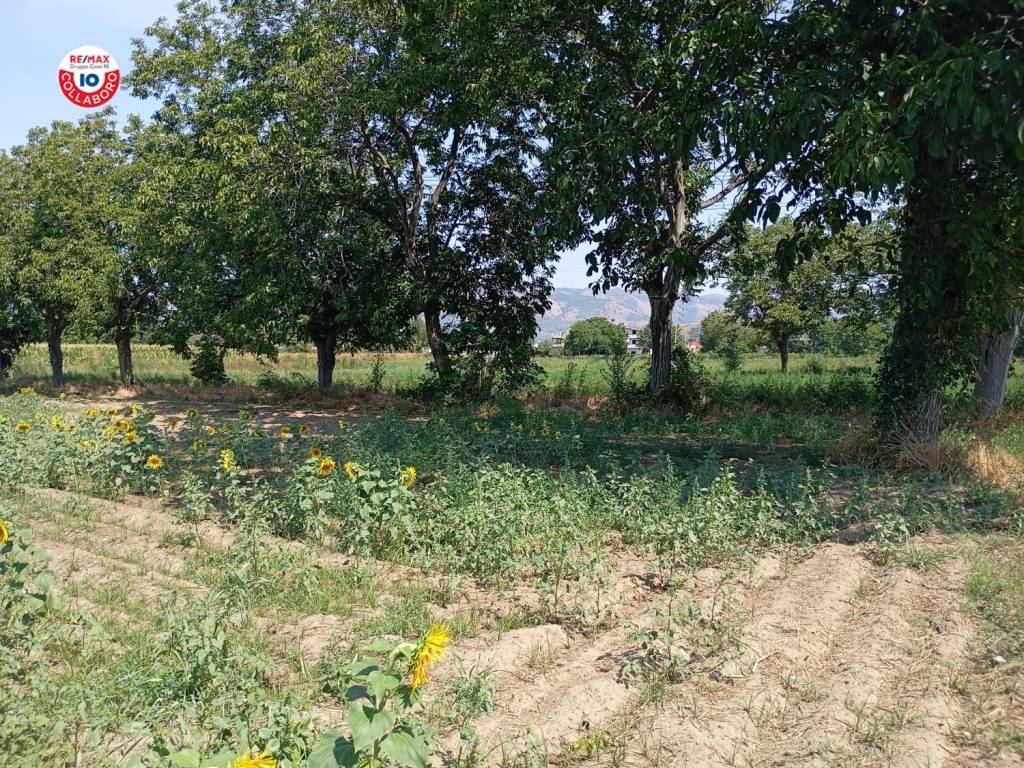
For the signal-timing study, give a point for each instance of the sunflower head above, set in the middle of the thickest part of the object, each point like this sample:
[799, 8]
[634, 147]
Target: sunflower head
[303, 429]
[154, 462]
[4, 533]
[131, 437]
[92, 413]
[408, 476]
[315, 453]
[227, 460]
[326, 466]
[26, 391]
[262, 760]
[546, 431]
[341, 423]
[23, 426]
[123, 425]
[111, 411]
[211, 430]
[351, 469]
[428, 653]
[285, 432]
[199, 445]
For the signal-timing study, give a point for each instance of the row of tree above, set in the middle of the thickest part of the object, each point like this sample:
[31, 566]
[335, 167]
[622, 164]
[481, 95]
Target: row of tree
[327, 170]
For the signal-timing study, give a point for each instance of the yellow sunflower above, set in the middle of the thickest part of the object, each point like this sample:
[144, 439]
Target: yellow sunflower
[23, 426]
[199, 445]
[86, 443]
[26, 391]
[351, 468]
[211, 430]
[285, 432]
[315, 452]
[303, 429]
[154, 462]
[546, 431]
[131, 438]
[111, 411]
[341, 423]
[408, 476]
[558, 435]
[123, 425]
[173, 422]
[4, 533]
[429, 652]
[227, 460]
[326, 466]
[262, 760]
[92, 413]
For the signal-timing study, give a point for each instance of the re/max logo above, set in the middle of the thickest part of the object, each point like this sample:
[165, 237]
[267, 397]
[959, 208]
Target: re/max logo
[90, 58]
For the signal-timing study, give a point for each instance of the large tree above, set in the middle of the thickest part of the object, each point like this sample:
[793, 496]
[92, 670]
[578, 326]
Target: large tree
[915, 104]
[64, 250]
[268, 212]
[643, 97]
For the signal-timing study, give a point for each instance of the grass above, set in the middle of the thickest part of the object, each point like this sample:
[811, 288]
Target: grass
[518, 516]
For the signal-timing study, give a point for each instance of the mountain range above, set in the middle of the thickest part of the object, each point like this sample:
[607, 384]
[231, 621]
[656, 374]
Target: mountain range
[569, 305]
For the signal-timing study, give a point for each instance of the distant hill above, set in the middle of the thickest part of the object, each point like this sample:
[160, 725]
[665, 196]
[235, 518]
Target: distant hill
[632, 309]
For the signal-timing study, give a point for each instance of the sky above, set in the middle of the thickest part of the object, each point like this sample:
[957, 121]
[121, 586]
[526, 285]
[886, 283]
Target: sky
[36, 34]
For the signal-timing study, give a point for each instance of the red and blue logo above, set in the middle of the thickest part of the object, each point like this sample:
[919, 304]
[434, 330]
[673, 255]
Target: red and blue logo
[89, 77]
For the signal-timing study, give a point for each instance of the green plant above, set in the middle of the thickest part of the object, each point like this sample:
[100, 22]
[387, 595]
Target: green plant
[382, 692]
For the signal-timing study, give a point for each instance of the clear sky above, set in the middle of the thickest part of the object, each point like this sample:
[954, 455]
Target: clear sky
[36, 34]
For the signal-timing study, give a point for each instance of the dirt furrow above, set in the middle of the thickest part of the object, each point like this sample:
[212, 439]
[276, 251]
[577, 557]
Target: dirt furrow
[844, 667]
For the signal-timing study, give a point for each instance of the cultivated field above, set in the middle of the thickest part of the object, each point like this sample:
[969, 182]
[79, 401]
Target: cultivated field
[749, 586]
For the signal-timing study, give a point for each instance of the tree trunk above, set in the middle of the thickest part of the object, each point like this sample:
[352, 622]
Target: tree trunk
[326, 356]
[782, 342]
[436, 341]
[994, 364]
[54, 331]
[125, 368]
[662, 296]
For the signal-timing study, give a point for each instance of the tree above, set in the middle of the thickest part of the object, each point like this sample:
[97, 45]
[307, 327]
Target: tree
[916, 105]
[994, 360]
[767, 293]
[269, 209]
[721, 330]
[64, 248]
[643, 98]
[595, 336]
[443, 118]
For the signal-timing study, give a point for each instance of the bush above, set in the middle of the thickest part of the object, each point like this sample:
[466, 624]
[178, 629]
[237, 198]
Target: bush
[688, 385]
[208, 363]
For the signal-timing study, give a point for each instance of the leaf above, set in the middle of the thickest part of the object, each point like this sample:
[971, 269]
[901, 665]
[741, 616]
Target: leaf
[368, 725]
[331, 751]
[405, 749]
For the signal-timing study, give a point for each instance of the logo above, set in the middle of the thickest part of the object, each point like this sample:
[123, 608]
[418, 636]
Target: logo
[89, 76]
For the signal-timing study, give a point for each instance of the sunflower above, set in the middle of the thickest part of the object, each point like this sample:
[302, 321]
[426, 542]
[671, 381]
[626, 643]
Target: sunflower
[23, 426]
[533, 433]
[303, 429]
[199, 445]
[351, 468]
[546, 431]
[262, 760]
[326, 466]
[441, 422]
[191, 413]
[136, 409]
[173, 422]
[131, 438]
[408, 476]
[211, 430]
[476, 426]
[111, 411]
[429, 652]
[123, 425]
[92, 413]
[285, 432]
[26, 391]
[315, 453]
[154, 462]
[56, 422]
[86, 443]
[4, 533]
[227, 460]
[341, 423]
[558, 435]
[245, 415]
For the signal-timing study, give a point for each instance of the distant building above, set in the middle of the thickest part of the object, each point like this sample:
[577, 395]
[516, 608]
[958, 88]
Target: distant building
[558, 340]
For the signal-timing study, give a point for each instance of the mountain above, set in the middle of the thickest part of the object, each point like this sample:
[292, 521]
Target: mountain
[631, 309]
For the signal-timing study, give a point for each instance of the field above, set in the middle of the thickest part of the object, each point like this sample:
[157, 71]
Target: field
[193, 575]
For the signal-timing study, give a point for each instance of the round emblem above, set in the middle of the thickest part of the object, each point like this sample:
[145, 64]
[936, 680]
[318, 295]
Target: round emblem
[89, 76]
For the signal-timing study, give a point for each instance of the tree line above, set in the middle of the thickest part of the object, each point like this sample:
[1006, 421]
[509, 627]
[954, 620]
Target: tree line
[327, 171]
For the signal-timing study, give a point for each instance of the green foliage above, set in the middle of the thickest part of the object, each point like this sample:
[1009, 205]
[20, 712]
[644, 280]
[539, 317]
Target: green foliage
[721, 331]
[688, 384]
[595, 336]
[623, 391]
